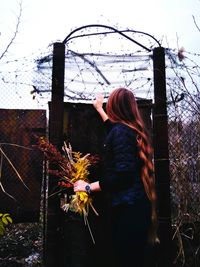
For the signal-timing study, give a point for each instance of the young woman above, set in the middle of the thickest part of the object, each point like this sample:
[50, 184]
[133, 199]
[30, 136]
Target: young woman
[127, 176]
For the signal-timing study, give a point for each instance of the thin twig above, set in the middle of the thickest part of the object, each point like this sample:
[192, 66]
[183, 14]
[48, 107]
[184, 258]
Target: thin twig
[15, 32]
[94, 209]
[4, 191]
[88, 225]
[195, 23]
[9, 161]
[1, 185]
[10, 144]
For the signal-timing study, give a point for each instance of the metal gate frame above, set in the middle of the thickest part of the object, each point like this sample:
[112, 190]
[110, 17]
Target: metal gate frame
[160, 141]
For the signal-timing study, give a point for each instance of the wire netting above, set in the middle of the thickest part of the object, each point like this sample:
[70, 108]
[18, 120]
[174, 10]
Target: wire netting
[21, 166]
[21, 117]
[19, 84]
[99, 60]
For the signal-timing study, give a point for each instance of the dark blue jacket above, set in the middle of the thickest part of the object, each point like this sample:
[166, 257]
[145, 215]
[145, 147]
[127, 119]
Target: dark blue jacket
[122, 165]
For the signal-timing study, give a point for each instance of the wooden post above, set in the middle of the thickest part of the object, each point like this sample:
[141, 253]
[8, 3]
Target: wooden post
[161, 157]
[52, 247]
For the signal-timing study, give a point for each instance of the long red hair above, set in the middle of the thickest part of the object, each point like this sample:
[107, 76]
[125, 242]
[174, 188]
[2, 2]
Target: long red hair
[122, 107]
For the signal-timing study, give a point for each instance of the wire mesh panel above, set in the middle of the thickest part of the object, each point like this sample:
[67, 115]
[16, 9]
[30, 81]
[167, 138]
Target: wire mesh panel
[20, 79]
[21, 165]
[93, 64]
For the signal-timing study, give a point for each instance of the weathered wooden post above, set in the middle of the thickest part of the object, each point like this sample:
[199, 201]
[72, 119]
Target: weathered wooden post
[161, 157]
[52, 249]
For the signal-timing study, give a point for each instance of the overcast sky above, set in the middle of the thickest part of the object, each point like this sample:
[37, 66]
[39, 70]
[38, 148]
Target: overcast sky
[46, 21]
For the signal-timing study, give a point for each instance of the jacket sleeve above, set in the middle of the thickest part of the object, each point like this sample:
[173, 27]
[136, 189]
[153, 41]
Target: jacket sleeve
[124, 166]
[108, 125]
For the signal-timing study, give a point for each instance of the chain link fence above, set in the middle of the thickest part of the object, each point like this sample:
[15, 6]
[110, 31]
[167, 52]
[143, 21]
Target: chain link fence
[20, 80]
[22, 116]
[21, 165]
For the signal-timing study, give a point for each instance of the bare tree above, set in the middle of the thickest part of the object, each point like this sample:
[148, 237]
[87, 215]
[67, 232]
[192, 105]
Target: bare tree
[183, 84]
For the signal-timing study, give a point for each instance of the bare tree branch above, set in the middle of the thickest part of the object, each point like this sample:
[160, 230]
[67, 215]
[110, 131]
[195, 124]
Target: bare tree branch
[15, 32]
[195, 23]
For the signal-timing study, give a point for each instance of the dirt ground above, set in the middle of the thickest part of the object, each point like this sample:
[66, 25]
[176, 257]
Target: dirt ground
[21, 246]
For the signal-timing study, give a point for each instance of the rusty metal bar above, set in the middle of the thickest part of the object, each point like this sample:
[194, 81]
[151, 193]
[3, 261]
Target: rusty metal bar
[52, 247]
[161, 157]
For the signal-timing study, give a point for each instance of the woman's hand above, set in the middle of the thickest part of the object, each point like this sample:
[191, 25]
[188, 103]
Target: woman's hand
[79, 186]
[98, 105]
[98, 102]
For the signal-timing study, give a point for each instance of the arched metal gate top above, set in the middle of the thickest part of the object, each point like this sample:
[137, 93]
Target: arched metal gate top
[112, 30]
